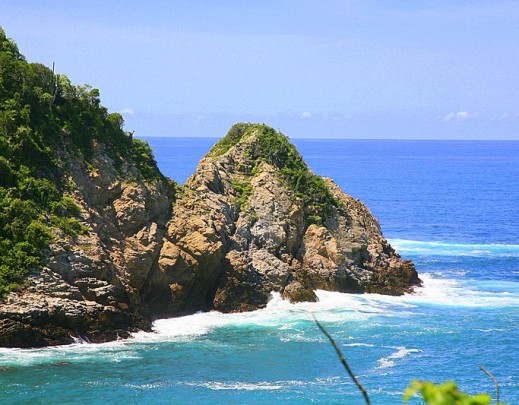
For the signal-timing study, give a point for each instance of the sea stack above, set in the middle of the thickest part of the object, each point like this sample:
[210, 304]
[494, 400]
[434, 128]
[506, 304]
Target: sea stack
[254, 219]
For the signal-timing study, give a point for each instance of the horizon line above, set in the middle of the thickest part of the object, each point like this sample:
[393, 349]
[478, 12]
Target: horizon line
[345, 139]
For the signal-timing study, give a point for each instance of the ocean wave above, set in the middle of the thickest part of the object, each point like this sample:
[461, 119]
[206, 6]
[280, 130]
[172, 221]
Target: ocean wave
[463, 293]
[291, 320]
[65, 355]
[238, 385]
[286, 317]
[422, 248]
[400, 353]
[359, 345]
[263, 385]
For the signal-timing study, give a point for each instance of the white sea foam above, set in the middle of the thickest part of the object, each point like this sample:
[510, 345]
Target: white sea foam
[359, 345]
[144, 387]
[456, 293]
[260, 386]
[291, 320]
[279, 313]
[415, 247]
[489, 330]
[263, 385]
[63, 355]
[400, 353]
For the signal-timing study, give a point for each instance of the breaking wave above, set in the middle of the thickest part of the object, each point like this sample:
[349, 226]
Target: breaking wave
[414, 247]
[290, 321]
[400, 353]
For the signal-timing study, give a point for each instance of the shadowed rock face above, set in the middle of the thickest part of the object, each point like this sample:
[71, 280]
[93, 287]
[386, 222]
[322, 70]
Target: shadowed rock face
[238, 230]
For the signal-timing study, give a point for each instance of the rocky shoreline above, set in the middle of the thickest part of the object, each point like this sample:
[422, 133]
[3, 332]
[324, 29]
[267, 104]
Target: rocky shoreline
[235, 232]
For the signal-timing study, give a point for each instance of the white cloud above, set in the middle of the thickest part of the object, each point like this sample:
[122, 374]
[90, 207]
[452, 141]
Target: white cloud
[507, 116]
[459, 116]
[306, 114]
[128, 111]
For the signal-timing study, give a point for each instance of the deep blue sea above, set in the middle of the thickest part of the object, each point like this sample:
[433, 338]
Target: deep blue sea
[450, 206]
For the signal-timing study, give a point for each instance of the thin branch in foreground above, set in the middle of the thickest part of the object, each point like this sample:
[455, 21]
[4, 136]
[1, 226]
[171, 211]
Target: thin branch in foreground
[343, 360]
[493, 379]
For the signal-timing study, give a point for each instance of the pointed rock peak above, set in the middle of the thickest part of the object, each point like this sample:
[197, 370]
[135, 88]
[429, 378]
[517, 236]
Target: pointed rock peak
[237, 133]
[252, 145]
[260, 143]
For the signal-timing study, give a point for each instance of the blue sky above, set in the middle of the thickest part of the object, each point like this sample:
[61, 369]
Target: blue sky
[331, 68]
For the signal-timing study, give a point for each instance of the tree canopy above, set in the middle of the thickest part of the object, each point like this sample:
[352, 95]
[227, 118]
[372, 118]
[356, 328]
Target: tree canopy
[40, 111]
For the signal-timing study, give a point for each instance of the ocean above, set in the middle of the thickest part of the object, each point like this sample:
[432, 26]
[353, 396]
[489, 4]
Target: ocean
[450, 206]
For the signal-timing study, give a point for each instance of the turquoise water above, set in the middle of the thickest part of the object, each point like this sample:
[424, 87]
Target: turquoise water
[449, 206]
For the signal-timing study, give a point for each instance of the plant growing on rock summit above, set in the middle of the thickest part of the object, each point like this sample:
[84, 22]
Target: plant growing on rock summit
[274, 148]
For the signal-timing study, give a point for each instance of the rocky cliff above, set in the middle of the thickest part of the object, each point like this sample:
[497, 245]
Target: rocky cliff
[90, 285]
[95, 242]
[251, 220]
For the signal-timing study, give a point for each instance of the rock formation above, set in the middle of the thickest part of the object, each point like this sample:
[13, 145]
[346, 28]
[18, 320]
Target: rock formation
[251, 220]
[240, 231]
[90, 286]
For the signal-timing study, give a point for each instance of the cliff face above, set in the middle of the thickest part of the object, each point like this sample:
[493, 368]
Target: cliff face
[245, 224]
[90, 285]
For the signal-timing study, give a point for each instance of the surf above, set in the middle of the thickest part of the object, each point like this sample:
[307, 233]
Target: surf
[433, 248]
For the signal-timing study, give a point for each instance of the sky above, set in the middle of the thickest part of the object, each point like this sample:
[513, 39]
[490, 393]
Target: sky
[362, 69]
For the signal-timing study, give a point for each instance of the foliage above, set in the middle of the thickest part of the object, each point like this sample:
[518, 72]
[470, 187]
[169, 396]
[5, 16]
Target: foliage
[70, 226]
[233, 136]
[444, 394]
[276, 149]
[142, 154]
[244, 191]
[39, 111]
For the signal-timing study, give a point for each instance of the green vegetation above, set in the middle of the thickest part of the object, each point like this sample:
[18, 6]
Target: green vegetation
[142, 154]
[233, 136]
[276, 149]
[444, 394]
[244, 191]
[39, 113]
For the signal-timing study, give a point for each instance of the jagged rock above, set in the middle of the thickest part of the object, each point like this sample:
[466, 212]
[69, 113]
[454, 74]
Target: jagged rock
[241, 231]
[298, 292]
[91, 284]
[238, 230]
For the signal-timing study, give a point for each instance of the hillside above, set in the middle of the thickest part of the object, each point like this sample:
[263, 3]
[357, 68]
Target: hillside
[43, 115]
